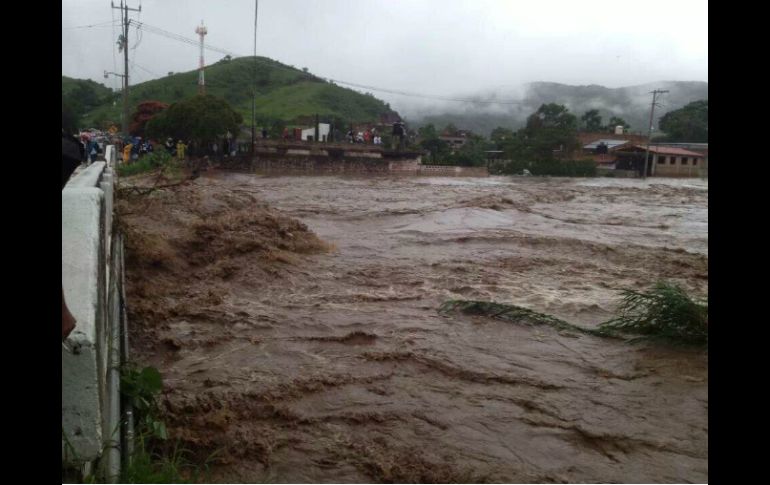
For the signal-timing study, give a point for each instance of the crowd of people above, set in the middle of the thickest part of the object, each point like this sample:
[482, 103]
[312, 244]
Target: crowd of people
[132, 148]
[135, 148]
[368, 136]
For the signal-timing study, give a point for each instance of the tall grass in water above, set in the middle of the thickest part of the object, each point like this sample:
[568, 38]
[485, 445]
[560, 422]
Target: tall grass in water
[664, 312]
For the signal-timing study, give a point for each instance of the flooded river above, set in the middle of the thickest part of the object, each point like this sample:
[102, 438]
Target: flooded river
[327, 361]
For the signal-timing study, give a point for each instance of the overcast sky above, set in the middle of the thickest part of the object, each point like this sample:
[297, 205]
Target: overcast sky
[437, 47]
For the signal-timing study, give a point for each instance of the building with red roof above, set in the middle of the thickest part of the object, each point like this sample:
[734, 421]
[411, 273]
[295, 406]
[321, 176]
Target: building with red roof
[664, 161]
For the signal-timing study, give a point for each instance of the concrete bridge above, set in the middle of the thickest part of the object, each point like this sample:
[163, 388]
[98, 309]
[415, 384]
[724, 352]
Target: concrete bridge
[92, 280]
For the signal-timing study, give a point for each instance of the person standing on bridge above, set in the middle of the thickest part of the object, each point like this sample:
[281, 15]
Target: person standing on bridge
[127, 152]
[180, 149]
[398, 134]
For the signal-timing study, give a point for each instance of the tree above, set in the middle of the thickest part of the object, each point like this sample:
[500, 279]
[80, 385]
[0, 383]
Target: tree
[552, 127]
[592, 121]
[70, 115]
[471, 153]
[201, 119]
[552, 115]
[450, 129]
[500, 134]
[688, 124]
[145, 111]
[429, 140]
[617, 121]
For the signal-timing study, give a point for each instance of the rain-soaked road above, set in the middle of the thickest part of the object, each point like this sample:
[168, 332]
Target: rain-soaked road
[335, 366]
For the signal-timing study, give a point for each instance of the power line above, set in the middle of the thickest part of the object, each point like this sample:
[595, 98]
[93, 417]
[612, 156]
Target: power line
[100, 24]
[190, 41]
[187, 40]
[158, 31]
[428, 96]
[146, 70]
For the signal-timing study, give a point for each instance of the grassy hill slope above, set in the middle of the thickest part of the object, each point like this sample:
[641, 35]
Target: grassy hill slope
[283, 93]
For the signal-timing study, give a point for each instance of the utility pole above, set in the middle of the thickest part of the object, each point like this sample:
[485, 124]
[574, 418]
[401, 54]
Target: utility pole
[654, 93]
[254, 84]
[124, 45]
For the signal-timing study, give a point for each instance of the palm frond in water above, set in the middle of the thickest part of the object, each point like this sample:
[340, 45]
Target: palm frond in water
[664, 312]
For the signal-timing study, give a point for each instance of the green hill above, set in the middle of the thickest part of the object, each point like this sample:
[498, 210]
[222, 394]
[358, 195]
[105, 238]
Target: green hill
[80, 97]
[283, 93]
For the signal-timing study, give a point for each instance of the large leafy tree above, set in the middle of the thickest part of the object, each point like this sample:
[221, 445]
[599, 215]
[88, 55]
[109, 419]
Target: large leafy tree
[71, 114]
[472, 153]
[552, 127]
[201, 119]
[429, 140]
[552, 116]
[688, 124]
[592, 120]
[145, 111]
[499, 135]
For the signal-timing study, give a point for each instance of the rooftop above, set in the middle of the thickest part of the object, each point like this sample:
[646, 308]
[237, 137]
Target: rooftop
[609, 142]
[664, 150]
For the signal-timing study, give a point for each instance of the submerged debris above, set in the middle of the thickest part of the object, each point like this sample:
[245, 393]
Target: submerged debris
[664, 312]
[517, 314]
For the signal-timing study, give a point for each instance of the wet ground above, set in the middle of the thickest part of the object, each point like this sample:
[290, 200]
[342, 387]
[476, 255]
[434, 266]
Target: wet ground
[328, 361]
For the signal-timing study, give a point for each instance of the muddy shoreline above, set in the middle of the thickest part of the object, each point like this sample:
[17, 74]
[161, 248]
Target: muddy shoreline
[295, 321]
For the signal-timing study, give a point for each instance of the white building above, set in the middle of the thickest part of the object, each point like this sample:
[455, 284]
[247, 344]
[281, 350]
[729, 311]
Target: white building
[323, 132]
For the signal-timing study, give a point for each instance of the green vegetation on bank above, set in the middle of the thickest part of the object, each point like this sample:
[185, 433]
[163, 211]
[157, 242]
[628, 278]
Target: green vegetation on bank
[154, 458]
[158, 159]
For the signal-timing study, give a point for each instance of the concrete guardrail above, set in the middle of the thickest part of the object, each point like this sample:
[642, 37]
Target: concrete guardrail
[92, 274]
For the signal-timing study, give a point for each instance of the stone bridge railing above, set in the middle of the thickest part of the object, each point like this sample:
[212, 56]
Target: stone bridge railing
[92, 280]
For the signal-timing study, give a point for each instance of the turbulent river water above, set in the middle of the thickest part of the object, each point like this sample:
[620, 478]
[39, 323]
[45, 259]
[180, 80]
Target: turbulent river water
[334, 365]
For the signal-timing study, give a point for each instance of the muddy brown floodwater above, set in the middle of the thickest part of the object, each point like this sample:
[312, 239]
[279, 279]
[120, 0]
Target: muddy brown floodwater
[324, 359]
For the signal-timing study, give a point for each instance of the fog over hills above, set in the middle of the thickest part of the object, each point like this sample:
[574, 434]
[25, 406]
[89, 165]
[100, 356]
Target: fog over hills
[631, 103]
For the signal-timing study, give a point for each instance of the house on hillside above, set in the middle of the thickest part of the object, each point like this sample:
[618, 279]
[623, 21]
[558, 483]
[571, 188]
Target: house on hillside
[664, 161]
[455, 140]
